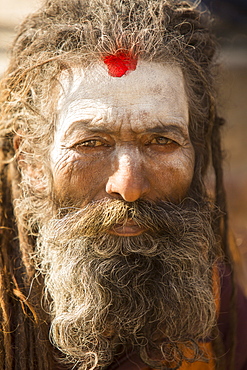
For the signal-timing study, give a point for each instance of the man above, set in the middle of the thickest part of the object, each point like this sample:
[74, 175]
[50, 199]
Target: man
[113, 255]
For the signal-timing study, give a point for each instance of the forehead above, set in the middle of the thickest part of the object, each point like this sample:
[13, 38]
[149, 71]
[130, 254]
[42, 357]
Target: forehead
[153, 89]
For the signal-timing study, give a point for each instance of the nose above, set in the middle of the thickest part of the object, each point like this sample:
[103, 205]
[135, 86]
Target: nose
[128, 180]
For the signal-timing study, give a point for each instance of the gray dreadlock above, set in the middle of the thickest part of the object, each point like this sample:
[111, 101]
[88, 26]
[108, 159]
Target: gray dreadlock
[80, 32]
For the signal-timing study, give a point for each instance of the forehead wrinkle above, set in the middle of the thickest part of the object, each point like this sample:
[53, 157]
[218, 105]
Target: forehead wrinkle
[118, 115]
[100, 108]
[114, 119]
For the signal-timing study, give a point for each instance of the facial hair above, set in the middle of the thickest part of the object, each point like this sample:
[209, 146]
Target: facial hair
[152, 292]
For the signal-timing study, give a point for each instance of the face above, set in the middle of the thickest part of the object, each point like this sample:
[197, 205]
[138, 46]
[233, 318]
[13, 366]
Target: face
[124, 138]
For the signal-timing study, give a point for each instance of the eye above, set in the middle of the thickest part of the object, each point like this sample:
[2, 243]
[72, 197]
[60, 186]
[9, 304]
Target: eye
[92, 143]
[162, 144]
[161, 140]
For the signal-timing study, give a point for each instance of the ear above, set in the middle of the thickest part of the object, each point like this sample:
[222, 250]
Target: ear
[16, 142]
[33, 172]
[20, 157]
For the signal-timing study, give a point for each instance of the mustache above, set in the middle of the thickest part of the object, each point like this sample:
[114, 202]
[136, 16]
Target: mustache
[98, 217]
[164, 223]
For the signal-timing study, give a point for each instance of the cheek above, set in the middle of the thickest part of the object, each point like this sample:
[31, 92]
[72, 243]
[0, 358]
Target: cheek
[180, 181]
[78, 179]
[172, 177]
[73, 178]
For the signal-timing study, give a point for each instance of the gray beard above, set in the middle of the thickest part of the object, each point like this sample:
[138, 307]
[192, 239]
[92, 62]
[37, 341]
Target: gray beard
[151, 292]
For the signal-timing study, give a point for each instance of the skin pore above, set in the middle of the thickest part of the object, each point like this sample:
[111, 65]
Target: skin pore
[122, 138]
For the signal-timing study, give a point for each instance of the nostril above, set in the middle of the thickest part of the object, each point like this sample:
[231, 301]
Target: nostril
[128, 188]
[115, 195]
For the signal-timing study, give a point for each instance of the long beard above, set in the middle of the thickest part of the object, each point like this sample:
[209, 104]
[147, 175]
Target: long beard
[152, 292]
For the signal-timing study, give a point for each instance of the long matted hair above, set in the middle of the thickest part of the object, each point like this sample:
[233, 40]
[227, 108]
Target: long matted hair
[60, 35]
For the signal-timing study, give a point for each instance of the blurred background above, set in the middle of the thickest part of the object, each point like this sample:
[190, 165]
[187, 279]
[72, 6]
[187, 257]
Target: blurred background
[231, 29]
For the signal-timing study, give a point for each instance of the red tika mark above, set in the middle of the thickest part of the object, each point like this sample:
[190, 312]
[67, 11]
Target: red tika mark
[120, 63]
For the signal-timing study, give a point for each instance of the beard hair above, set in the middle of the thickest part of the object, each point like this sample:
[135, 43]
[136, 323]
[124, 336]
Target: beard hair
[151, 292]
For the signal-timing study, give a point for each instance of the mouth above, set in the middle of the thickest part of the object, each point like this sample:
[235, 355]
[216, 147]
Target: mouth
[129, 228]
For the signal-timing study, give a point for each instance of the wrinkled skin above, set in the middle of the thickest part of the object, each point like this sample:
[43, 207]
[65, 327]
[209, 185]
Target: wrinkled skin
[124, 138]
[122, 162]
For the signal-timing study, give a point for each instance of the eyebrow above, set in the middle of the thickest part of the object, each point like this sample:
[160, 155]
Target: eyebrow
[86, 123]
[166, 128]
[160, 128]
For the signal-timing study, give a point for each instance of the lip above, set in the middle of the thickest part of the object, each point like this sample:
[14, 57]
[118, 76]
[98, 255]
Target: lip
[129, 228]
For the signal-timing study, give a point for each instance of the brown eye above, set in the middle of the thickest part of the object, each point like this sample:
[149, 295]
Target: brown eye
[91, 143]
[162, 144]
[161, 140]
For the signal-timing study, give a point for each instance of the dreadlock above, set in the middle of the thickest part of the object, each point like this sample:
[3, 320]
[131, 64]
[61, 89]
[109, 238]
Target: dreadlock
[81, 32]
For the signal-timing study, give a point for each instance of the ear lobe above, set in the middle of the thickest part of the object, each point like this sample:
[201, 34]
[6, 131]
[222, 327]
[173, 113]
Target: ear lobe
[19, 156]
[31, 170]
[16, 142]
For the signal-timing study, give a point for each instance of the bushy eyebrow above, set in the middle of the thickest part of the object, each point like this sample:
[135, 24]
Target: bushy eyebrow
[87, 125]
[168, 128]
[160, 128]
